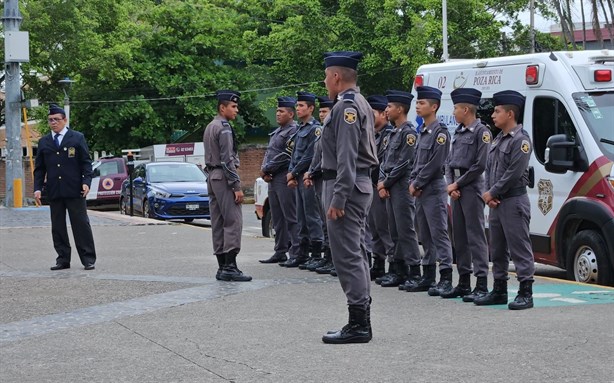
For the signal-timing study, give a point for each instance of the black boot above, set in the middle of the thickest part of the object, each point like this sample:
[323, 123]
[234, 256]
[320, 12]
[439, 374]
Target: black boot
[445, 284]
[524, 299]
[498, 295]
[231, 272]
[463, 288]
[412, 279]
[481, 289]
[302, 257]
[426, 281]
[328, 266]
[318, 260]
[316, 255]
[399, 276]
[357, 330]
[388, 275]
[379, 267]
[221, 260]
[276, 258]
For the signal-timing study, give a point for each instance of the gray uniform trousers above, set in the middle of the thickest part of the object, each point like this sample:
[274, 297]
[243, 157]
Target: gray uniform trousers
[318, 185]
[226, 215]
[307, 213]
[432, 222]
[282, 202]
[382, 244]
[346, 244]
[401, 207]
[508, 225]
[468, 232]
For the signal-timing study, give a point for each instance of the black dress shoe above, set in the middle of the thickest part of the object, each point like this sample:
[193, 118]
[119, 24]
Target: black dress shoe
[276, 258]
[294, 262]
[89, 266]
[60, 266]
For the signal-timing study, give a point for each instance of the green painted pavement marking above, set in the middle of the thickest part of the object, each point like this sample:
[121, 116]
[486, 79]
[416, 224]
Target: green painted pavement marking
[564, 294]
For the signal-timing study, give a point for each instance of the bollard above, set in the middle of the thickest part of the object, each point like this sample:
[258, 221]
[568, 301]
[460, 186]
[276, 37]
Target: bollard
[17, 193]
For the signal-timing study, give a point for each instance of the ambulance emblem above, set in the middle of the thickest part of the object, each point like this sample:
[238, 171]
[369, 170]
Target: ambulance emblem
[107, 184]
[349, 115]
[411, 140]
[544, 201]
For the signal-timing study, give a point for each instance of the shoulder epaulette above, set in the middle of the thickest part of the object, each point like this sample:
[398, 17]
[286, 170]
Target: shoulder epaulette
[349, 97]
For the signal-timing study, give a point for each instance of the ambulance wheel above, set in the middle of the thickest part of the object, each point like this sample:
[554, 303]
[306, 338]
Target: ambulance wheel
[188, 220]
[587, 259]
[267, 225]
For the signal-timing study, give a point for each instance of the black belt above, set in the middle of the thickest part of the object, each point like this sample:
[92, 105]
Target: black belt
[515, 192]
[209, 167]
[459, 172]
[329, 174]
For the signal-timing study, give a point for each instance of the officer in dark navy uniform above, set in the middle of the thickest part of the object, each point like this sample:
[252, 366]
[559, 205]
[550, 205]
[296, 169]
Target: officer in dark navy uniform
[393, 185]
[427, 184]
[464, 173]
[63, 158]
[313, 178]
[507, 177]
[225, 194]
[349, 154]
[382, 243]
[306, 204]
[282, 200]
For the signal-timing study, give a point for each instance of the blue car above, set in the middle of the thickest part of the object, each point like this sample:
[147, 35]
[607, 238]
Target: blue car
[167, 190]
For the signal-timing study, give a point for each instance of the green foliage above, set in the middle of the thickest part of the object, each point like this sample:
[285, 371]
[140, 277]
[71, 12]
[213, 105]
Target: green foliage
[144, 69]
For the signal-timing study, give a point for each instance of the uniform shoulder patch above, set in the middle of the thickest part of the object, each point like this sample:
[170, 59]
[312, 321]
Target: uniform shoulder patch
[318, 131]
[349, 115]
[486, 137]
[226, 124]
[411, 139]
[441, 138]
[385, 142]
[525, 146]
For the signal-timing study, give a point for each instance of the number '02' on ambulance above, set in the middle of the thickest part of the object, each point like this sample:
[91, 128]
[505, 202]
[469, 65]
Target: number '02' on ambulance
[569, 114]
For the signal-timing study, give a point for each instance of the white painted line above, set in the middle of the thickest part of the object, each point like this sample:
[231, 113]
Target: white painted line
[568, 300]
[600, 292]
[546, 295]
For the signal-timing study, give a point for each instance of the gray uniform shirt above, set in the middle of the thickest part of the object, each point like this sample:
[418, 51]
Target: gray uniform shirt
[304, 140]
[432, 152]
[348, 143]
[221, 150]
[278, 153]
[399, 156]
[468, 154]
[507, 167]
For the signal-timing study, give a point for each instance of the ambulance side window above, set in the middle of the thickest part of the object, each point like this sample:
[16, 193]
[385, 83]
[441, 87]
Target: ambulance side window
[550, 117]
[107, 168]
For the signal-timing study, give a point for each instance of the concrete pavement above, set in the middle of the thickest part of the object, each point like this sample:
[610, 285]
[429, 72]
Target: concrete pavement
[152, 312]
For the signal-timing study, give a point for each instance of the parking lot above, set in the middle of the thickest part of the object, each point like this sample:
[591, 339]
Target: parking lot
[152, 312]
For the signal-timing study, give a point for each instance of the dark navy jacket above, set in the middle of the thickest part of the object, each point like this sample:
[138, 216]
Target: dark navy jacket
[66, 168]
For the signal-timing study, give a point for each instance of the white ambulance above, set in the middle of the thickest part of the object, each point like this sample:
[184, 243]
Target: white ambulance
[569, 114]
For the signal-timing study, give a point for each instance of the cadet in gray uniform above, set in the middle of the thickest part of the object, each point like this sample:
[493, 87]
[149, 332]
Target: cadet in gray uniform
[313, 178]
[224, 184]
[349, 155]
[507, 177]
[306, 204]
[427, 184]
[282, 200]
[382, 244]
[464, 173]
[393, 185]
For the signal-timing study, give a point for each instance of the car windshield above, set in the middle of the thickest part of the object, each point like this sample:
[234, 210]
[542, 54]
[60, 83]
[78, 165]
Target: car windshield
[597, 109]
[175, 173]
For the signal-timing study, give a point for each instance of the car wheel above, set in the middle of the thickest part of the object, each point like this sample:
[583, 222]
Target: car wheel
[587, 259]
[146, 211]
[188, 220]
[267, 225]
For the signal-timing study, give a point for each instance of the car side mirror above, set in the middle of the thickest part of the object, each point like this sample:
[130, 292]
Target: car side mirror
[563, 154]
[96, 172]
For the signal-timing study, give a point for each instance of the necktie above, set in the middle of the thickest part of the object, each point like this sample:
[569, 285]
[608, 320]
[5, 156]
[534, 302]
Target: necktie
[56, 139]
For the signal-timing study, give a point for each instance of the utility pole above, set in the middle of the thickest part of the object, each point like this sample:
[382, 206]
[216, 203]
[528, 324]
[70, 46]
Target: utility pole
[16, 51]
[532, 22]
[444, 13]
